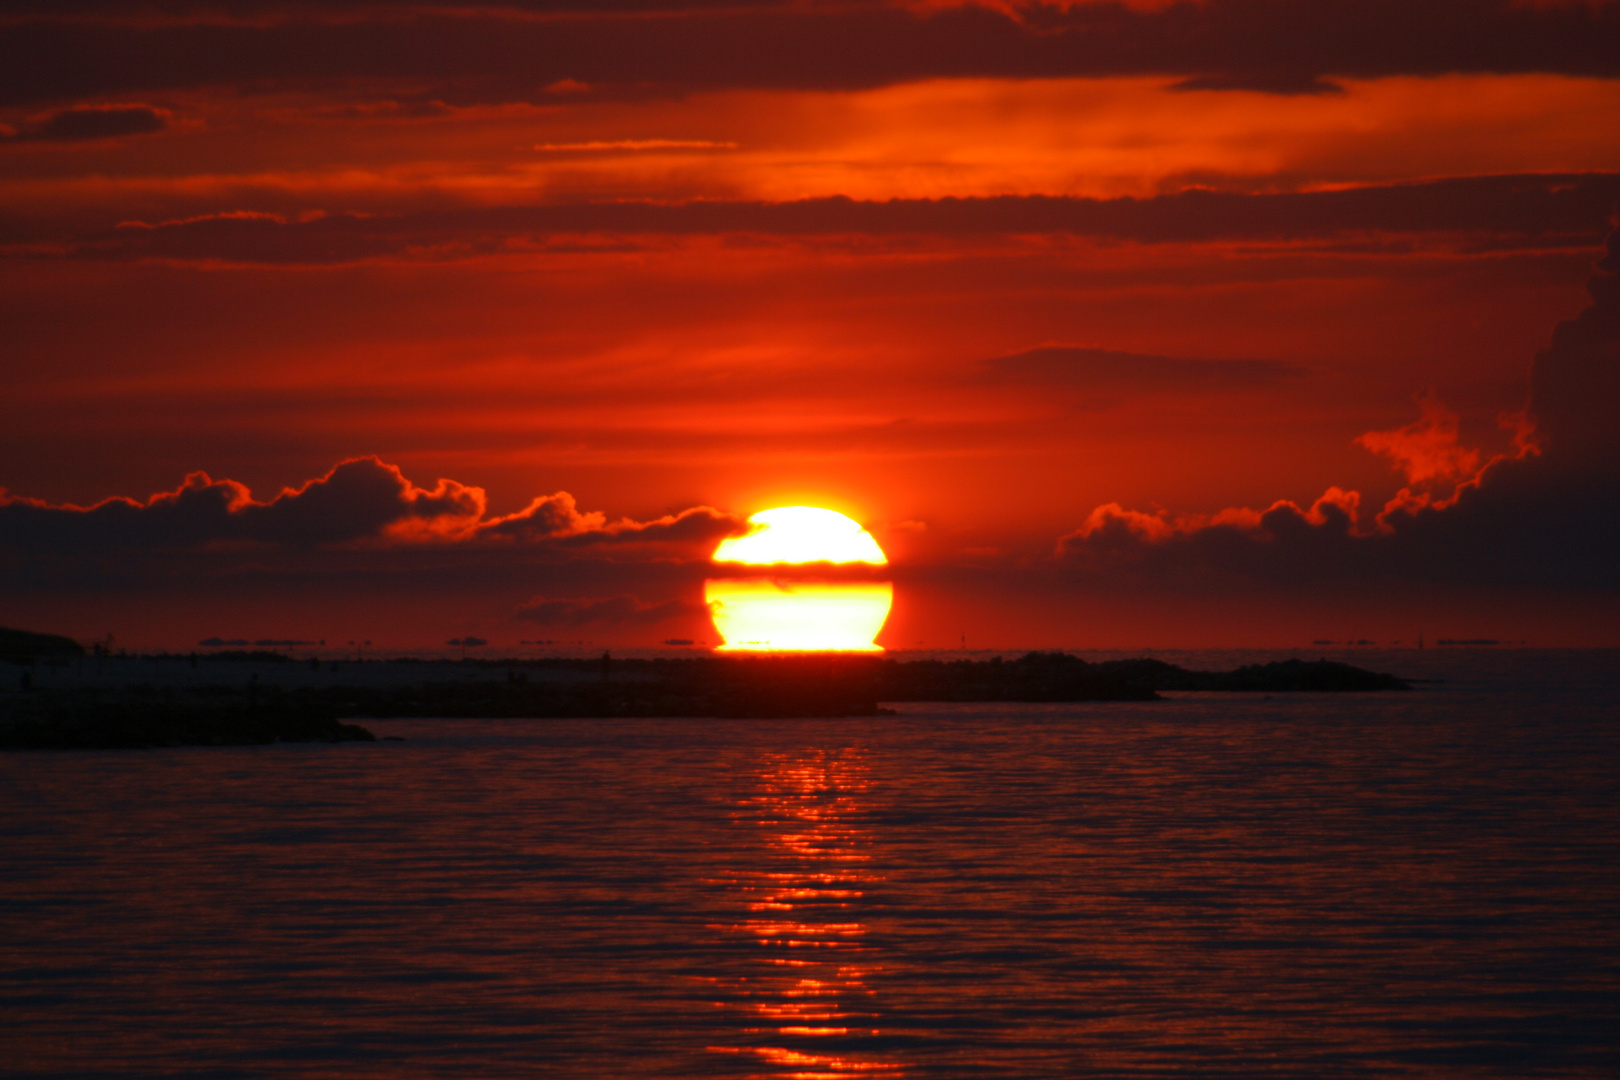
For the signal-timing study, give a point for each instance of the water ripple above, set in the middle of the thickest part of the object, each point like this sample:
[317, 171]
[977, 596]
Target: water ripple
[1401, 885]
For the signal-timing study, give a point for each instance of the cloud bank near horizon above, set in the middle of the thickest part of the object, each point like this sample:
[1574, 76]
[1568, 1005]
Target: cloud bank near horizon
[1545, 514]
[1541, 515]
[360, 503]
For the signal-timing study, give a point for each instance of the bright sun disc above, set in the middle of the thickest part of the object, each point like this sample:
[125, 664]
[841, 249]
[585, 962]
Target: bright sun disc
[761, 615]
[788, 614]
[801, 534]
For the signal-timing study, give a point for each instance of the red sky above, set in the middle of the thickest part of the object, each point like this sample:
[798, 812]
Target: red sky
[971, 273]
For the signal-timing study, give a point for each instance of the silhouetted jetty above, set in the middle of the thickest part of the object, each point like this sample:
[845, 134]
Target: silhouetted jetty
[146, 717]
[761, 686]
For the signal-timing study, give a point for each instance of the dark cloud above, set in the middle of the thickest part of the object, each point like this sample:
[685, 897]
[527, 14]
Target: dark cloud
[1087, 369]
[83, 123]
[557, 518]
[1545, 515]
[1519, 526]
[503, 53]
[698, 527]
[544, 518]
[1575, 383]
[363, 498]
[256, 238]
[1484, 210]
[1282, 83]
[362, 501]
[620, 611]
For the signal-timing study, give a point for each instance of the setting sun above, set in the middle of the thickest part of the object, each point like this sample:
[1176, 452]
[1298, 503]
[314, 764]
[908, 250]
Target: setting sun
[801, 534]
[785, 612]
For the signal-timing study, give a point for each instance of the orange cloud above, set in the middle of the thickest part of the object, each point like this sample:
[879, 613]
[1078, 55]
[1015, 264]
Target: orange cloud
[1425, 450]
[1097, 137]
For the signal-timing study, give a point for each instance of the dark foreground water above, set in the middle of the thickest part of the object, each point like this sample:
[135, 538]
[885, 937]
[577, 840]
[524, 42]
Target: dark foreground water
[1415, 885]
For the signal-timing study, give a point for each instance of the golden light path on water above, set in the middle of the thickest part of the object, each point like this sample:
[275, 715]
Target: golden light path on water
[788, 613]
[809, 994]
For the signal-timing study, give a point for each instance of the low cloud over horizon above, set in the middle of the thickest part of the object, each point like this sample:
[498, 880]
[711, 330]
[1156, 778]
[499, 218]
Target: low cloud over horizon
[361, 502]
[1543, 514]
[1538, 515]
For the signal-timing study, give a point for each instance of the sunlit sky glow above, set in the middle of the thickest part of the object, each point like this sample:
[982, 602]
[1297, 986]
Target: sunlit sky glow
[1115, 324]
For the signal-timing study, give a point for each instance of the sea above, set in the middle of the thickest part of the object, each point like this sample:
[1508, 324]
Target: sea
[1421, 884]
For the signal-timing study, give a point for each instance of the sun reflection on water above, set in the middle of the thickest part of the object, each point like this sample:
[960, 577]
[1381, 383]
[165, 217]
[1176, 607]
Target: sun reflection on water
[808, 996]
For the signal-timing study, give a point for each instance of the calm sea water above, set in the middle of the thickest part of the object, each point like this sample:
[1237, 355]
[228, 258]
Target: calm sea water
[1420, 884]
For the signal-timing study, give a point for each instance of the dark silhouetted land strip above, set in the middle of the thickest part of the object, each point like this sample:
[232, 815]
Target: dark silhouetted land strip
[763, 687]
[1056, 676]
[144, 717]
[25, 646]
